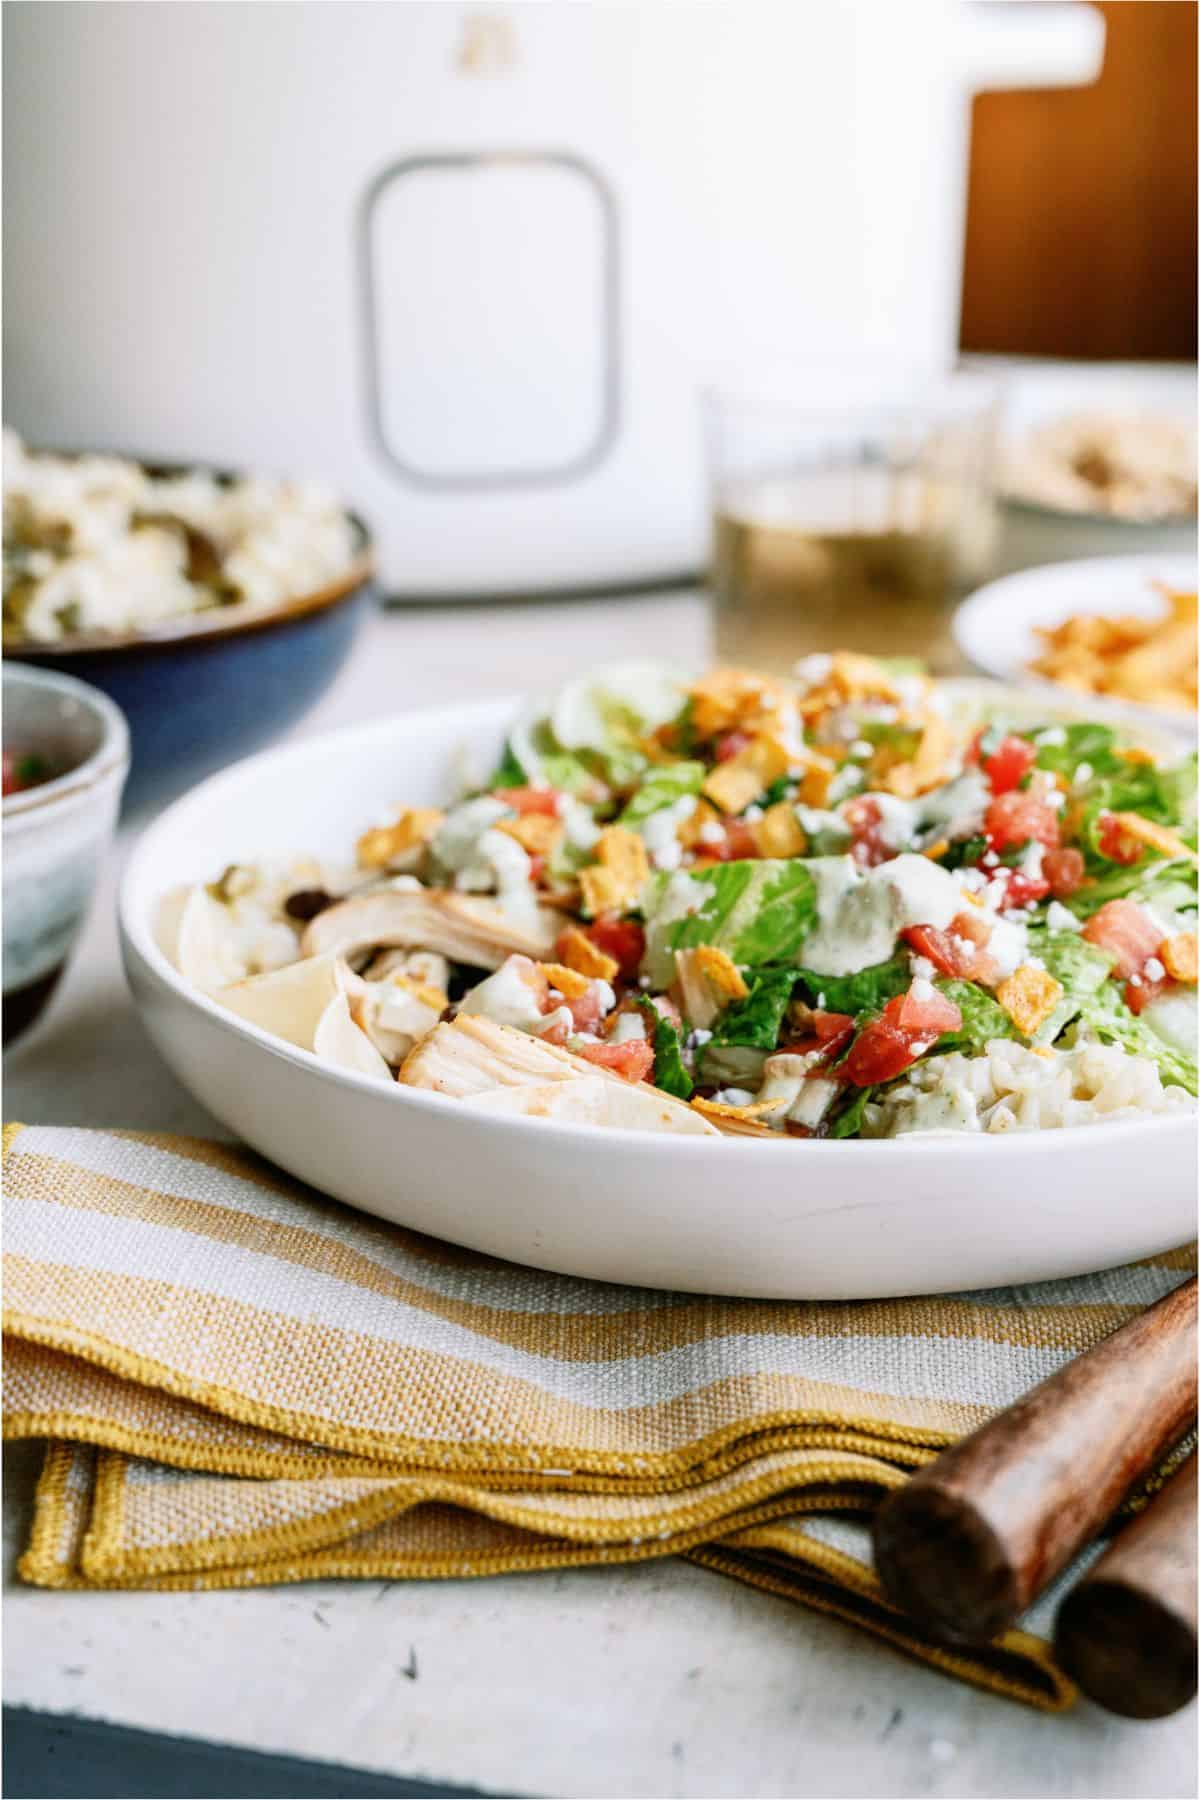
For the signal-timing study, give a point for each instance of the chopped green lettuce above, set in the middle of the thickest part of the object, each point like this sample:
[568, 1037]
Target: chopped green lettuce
[1108, 1016]
[669, 1071]
[756, 1019]
[508, 772]
[1169, 885]
[983, 1018]
[730, 1065]
[866, 992]
[849, 1120]
[757, 912]
[1081, 969]
[1165, 796]
[1082, 743]
[665, 783]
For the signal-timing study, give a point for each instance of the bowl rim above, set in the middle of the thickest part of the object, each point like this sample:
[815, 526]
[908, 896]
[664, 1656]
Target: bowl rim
[214, 623]
[140, 946]
[110, 756]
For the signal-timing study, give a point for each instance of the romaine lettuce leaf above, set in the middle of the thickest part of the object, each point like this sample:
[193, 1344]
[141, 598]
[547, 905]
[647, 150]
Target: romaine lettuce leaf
[757, 912]
[867, 991]
[1088, 743]
[508, 772]
[849, 1121]
[730, 1065]
[1166, 796]
[1108, 1016]
[1167, 884]
[757, 1019]
[669, 1072]
[665, 783]
[1080, 967]
[983, 1018]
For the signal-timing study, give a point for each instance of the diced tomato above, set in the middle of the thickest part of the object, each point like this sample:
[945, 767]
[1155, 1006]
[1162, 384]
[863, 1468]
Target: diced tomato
[1013, 818]
[825, 1040]
[907, 1027]
[953, 952]
[971, 924]
[1023, 888]
[867, 845]
[1009, 764]
[1127, 932]
[831, 1025]
[1064, 871]
[730, 744]
[530, 800]
[11, 783]
[537, 866]
[1114, 843]
[878, 1053]
[1139, 994]
[925, 1017]
[622, 939]
[632, 1061]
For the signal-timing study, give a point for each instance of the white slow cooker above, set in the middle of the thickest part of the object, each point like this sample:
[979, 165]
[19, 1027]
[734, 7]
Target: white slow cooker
[470, 264]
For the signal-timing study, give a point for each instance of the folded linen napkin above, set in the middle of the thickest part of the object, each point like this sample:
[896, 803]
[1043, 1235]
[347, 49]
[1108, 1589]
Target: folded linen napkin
[242, 1382]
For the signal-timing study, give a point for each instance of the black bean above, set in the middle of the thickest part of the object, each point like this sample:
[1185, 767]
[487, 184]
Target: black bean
[306, 903]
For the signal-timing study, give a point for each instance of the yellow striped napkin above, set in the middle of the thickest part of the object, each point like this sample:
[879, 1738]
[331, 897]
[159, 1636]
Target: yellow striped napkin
[242, 1382]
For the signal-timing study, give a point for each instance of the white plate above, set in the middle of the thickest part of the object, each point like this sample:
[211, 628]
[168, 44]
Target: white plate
[793, 1219]
[995, 627]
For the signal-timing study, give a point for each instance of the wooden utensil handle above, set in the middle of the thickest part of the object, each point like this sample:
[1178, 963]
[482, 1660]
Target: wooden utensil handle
[1127, 1632]
[972, 1539]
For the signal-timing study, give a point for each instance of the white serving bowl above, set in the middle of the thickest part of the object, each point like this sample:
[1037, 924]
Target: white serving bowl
[55, 834]
[996, 626]
[793, 1219]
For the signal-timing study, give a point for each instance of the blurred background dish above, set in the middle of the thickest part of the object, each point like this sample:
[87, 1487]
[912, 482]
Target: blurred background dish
[214, 608]
[998, 628]
[1096, 459]
[852, 505]
[66, 753]
[526, 235]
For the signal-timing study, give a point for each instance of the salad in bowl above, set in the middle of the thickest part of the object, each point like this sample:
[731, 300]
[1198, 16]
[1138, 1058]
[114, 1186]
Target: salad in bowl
[854, 904]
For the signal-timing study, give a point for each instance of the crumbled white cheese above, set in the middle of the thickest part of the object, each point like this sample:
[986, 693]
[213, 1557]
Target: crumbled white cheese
[1061, 918]
[1082, 775]
[1052, 735]
[921, 967]
[711, 832]
[628, 1028]
[734, 1096]
[1154, 970]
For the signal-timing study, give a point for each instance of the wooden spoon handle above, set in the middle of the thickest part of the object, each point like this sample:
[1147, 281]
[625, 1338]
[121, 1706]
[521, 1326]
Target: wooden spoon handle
[1127, 1632]
[972, 1539]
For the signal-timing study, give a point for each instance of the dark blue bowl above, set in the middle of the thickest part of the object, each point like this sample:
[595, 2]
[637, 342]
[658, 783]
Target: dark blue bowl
[203, 691]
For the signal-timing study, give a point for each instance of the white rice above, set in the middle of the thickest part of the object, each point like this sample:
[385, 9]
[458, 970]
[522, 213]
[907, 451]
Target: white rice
[1012, 1088]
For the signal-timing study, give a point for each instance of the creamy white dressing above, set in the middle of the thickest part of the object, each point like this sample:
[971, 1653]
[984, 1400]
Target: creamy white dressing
[947, 1108]
[580, 829]
[860, 916]
[827, 832]
[455, 844]
[506, 999]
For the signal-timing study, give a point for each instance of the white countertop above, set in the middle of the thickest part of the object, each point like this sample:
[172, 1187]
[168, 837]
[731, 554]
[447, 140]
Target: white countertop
[660, 1679]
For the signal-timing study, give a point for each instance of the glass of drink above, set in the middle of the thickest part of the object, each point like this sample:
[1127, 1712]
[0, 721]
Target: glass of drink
[851, 509]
